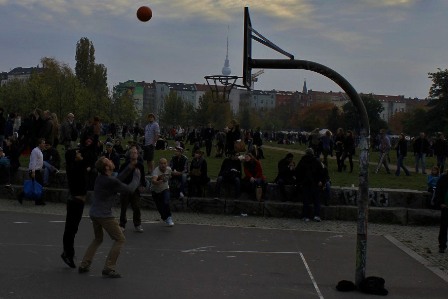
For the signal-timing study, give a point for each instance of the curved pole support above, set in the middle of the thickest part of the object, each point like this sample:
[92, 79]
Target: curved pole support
[364, 145]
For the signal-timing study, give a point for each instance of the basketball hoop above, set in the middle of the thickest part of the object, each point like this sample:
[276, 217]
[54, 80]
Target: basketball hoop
[220, 86]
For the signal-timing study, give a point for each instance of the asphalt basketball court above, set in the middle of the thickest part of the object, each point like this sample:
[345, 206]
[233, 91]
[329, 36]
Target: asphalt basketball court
[201, 261]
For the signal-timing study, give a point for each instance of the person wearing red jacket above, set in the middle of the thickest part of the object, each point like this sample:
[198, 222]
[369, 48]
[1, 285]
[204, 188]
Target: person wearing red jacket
[254, 178]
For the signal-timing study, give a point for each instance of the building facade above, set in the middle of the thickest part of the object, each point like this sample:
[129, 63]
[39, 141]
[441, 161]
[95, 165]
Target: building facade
[19, 73]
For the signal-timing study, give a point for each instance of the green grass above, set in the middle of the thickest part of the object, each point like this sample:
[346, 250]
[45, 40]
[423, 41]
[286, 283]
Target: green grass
[344, 179]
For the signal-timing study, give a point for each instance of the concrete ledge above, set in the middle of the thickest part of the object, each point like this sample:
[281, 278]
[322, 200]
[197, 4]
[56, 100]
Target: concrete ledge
[414, 199]
[423, 217]
[405, 207]
[387, 215]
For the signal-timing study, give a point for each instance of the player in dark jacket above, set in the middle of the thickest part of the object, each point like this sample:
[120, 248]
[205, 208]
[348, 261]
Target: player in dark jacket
[76, 171]
[310, 180]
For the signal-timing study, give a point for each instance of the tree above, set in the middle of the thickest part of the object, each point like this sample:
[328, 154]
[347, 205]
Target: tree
[396, 122]
[173, 107]
[123, 109]
[282, 116]
[219, 114]
[93, 77]
[15, 96]
[315, 116]
[54, 88]
[437, 116]
[374, 109]
[58, 80]
[245, 117]
[203, 111]
[335, 119]
[85, 61]
[415, 122]
[208, 111]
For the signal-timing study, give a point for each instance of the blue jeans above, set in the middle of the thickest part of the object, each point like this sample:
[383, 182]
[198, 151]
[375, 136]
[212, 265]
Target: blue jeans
[400, 165]
[48, 169]
[183, 181]
[162, 201]
[441, 162]
[420, 157]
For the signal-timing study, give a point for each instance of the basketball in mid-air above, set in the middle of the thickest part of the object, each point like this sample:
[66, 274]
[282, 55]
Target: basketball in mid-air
[144, 13]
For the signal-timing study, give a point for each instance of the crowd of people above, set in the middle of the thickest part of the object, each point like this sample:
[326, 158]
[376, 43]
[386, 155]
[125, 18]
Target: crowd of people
[109, 170]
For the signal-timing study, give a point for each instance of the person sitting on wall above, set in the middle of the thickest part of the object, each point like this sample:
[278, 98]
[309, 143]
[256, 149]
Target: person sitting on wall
[230, 172]
[254, 180]
[52, 162]
[179, 166]
[198, 174]
[286, 174]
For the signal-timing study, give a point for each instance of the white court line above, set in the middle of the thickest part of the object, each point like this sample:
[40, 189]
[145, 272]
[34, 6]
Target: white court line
[199, 249]
[311, 276]
[418, 258]
[206, 248]
[316, 287]
[255, 251]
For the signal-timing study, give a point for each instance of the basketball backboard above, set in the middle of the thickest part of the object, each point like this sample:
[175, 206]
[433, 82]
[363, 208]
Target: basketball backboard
[247, 50]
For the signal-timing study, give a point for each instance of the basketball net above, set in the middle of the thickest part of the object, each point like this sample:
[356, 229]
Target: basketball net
[221, 86]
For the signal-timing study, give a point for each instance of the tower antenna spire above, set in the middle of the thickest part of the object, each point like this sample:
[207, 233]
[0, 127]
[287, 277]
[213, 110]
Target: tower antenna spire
[226, 71]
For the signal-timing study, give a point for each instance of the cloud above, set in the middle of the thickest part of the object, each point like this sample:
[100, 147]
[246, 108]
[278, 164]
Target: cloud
[212, 10]
[391, 2]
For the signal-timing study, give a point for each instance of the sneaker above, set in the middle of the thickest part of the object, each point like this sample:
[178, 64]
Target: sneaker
[111, 274]
[181, 195]
[83, 269]
[68, 260]
[138, 229]
[122, 229]
[169, 221]
[306, 219]
[317, 219]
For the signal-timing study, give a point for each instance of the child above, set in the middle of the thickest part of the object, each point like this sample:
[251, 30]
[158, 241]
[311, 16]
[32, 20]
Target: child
[432, 179]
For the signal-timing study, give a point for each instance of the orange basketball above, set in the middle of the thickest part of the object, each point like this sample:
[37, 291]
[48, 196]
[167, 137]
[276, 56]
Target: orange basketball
[144, 13]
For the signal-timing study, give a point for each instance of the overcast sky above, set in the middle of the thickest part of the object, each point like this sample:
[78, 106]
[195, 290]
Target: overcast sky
[379, 46]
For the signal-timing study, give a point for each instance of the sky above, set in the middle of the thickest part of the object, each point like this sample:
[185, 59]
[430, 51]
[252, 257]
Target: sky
[379, 46]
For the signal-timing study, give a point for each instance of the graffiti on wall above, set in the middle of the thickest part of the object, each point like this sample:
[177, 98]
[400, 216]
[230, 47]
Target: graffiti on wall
[376, 198]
